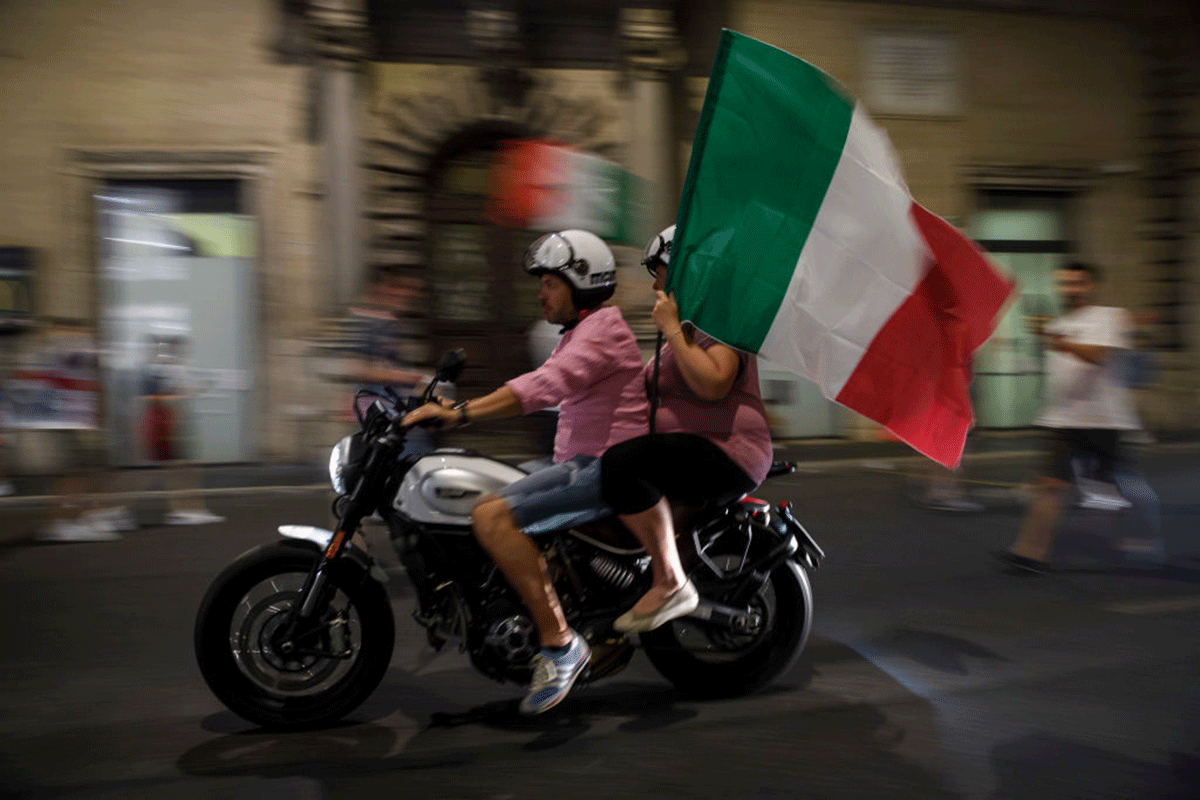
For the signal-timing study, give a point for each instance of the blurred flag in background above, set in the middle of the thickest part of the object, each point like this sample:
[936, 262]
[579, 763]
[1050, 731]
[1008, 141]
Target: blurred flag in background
[542, 185]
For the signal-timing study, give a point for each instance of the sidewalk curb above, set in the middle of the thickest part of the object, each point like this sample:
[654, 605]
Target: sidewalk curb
[876, 462]
[891, 463]
[111, 498]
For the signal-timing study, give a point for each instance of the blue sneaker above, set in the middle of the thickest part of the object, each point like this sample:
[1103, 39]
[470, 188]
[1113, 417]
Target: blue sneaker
[554, 673]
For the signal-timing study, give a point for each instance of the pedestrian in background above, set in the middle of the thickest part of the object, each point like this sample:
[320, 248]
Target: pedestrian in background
[940, 488]
[387, 344]
[6, 484]
[1087, 408]
[167, 385]
[65, 370]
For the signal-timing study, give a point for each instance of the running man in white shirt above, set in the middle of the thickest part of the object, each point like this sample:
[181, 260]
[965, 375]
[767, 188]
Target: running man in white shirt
[1088, 406]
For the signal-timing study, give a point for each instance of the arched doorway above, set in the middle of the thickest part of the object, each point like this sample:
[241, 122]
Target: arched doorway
[481, 298]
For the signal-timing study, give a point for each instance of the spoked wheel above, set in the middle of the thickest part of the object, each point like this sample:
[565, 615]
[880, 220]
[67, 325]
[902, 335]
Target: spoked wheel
[704, 660]
[281, 676]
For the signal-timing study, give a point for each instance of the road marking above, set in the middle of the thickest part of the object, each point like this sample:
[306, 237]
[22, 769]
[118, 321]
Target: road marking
[1162, 606]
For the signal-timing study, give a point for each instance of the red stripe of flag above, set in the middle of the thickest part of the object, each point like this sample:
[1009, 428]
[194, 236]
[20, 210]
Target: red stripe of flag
[914, 377]
[525, 182]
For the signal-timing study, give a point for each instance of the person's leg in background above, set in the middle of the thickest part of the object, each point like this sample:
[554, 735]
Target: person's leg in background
[1145, 543]
[1036, 539]
[106, 514]
[6, 485]
[180, 477]
[72, 518]
[943, 490]
[1031, 550]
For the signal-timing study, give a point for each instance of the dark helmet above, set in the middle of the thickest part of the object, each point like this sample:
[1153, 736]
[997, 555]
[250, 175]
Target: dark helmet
[580, 258]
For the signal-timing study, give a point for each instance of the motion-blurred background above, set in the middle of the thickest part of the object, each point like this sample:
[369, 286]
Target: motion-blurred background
[298, 197]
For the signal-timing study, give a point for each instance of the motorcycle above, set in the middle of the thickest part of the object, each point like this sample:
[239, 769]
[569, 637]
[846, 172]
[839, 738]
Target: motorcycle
[299, 632]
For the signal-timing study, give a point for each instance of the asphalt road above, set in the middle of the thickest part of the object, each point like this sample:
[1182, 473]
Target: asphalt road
[930, 673]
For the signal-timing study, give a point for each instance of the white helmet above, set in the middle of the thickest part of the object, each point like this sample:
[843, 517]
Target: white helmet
[580, 258]
[658, 251]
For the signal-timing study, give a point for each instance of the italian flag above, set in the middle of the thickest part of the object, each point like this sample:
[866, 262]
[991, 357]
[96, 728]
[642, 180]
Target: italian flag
[546, 186]
[796, 239]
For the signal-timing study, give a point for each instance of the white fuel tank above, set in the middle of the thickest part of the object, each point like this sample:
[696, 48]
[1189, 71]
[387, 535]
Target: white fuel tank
[444, 486]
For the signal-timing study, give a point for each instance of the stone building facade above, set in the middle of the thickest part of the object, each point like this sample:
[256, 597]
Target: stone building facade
[359, 133]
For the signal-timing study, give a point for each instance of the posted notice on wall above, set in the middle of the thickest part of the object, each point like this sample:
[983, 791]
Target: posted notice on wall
[56, 388]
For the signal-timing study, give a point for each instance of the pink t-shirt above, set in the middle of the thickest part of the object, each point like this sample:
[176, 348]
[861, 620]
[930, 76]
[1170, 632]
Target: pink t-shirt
[594, 375]
[737, 424]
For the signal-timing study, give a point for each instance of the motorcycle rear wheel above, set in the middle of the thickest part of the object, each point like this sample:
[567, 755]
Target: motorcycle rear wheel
[236, 638]
[706, 662]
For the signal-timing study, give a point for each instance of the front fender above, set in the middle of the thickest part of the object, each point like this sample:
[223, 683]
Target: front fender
[319, 539]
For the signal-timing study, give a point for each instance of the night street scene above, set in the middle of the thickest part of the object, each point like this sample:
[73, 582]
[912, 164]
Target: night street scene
[666, 398]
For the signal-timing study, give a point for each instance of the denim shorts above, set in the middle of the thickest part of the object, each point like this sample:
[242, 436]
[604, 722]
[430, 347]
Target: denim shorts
[558, 496]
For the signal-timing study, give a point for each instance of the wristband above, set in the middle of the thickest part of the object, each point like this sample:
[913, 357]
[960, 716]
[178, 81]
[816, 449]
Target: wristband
[461, 407]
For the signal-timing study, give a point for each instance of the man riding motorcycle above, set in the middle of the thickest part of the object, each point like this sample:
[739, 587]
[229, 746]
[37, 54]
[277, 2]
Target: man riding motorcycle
[595, 376]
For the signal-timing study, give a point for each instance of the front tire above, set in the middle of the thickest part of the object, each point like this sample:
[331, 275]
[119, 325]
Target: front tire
[236, 642]
[705, 662]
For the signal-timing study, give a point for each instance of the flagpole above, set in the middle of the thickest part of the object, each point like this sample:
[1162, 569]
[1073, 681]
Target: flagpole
[654, 383]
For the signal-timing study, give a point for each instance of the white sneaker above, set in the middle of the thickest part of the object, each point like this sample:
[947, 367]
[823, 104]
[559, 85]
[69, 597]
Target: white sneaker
[76, 531]
[951, 504]
[98, 521]
[1100, 496]
[1103, 502]
[6, 488]
[193, 518]
[122, 519]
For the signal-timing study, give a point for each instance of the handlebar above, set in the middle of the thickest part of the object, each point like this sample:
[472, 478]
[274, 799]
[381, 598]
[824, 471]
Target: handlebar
[394, 410]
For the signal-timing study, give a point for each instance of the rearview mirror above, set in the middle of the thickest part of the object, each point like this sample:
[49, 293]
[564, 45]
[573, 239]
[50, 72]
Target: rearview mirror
[451, 365]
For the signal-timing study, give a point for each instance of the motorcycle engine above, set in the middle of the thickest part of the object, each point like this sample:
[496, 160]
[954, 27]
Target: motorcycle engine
[504, 641]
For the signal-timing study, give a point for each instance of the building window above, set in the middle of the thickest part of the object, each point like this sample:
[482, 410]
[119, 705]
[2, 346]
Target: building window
[1028, 235]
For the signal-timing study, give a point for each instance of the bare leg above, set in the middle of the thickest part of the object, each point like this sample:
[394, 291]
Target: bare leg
[523, 567]
[73, 498]
[655, 530]
[1037, 532]
[943, 483]
[182, 479]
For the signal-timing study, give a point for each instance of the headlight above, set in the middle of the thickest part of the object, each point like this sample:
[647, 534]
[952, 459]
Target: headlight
[339, 460]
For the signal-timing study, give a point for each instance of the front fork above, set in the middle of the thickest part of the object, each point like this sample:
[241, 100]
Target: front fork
[356, 507]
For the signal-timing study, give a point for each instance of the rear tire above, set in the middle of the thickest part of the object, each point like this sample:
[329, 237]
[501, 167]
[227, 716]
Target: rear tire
[704, 662]
[236, 651]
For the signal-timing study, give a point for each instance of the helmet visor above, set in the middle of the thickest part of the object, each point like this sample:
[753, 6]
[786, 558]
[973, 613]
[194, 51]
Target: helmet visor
[656, 255]
[551, 252]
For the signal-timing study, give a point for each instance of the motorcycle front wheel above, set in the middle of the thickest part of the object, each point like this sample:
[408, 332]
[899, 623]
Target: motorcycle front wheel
[705, 661]
[302, 681]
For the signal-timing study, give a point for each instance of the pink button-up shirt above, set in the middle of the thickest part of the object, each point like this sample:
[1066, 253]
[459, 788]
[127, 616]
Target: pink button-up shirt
[594, 375]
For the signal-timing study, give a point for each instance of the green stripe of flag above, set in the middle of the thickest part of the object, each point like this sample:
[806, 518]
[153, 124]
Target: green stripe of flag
[769, 138]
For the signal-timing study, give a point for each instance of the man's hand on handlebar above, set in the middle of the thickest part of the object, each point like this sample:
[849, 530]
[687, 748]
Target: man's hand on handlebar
[435, 414]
